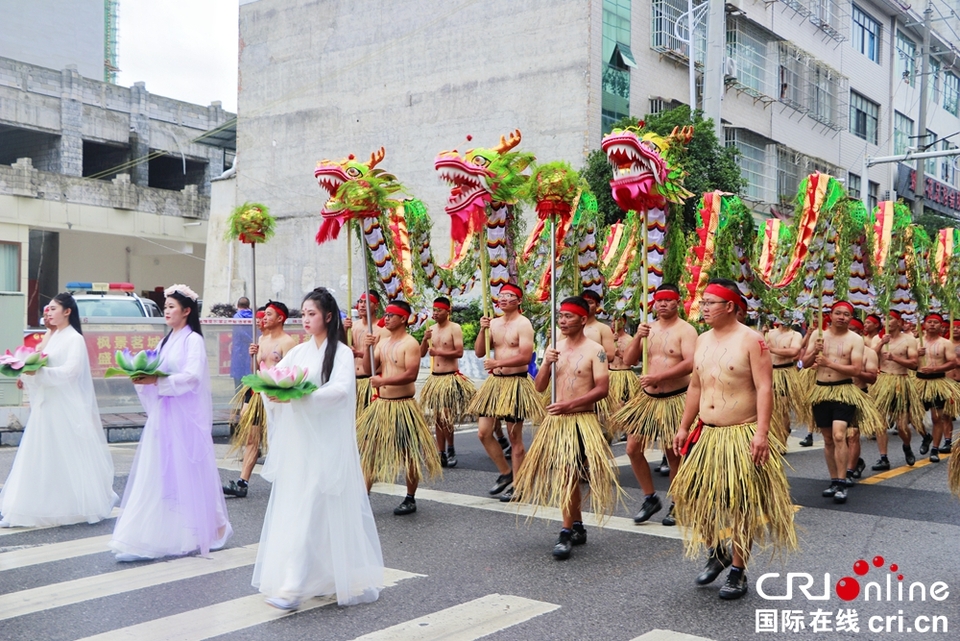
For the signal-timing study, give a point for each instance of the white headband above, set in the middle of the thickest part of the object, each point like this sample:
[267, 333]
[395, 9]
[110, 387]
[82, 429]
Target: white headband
[183, 290]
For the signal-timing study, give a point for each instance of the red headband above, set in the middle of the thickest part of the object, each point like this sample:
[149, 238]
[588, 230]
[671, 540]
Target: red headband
[573, 309]
[441, 305]
[933, 315]
[512, 289]
[278, 311]
[876, 319]
[842, 303]
[727, 295]
[895, 314]
[259, 314]
[956, 323]
[373, 297]
[856, 324]
[396, 309]
[665, 294]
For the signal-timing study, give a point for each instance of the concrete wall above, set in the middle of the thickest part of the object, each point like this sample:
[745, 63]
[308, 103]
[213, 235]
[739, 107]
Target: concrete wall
[330, 78]
[18, 234]
[55, 33]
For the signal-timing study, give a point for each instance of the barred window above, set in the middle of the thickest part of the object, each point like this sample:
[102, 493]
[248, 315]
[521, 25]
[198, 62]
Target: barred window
[747, 48]
[755, 162]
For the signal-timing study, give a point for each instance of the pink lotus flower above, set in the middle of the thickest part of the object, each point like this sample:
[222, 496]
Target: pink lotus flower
[22, 357]
[282, 377]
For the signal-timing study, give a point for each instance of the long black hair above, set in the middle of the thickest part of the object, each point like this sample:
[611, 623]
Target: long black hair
[66, 301]
[193, 320]
[327, 304]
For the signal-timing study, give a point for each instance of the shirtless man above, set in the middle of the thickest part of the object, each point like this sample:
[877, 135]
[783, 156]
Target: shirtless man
[393, 429]
[839, 358]
[670, 348]
[872, 325]
[508, 393]
[594, 329]
[446, 393]
[731, 391]
[894, 393]
[867, 377]
[361, 354]
[272, 346]
[624, 384]
[581, 381]
[953, 375]
[937, 357]
[785, 344]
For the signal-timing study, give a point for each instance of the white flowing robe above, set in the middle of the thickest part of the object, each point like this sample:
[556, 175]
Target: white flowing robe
[173, 503]
[63, 472]
[318, 536]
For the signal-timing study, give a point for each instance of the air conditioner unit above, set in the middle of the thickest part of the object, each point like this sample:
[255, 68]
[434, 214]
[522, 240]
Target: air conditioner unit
[730, 69]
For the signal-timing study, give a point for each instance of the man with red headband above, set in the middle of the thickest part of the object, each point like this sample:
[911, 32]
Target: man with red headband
[446, 393]
[601, 333]
[731, 487]
[836, 402]
[872, 325]
[624, 384]
[655, 414]
[392, 433]
[953, 375]
[508, 393]
[937, 357]
[867, 377]
[894, 393]
[785, 344]
[272, 346]
[361, 355]
[569, 446]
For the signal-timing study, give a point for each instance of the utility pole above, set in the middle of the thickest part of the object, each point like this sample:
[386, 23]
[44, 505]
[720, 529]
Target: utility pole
[920, 189]
[714, 64]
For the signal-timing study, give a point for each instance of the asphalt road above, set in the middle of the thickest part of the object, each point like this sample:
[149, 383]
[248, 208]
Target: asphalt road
[466, 566]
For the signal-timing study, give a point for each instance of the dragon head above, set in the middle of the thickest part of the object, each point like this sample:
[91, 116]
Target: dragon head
[331, 174]
[645, 174]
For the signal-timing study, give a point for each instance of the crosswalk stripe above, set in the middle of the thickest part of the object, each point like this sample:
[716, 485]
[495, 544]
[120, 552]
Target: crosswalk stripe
[7, 531]
[467, 621]
[223, 618]
[57, 595]
[53, 552]
[619, 523]
[668, 635]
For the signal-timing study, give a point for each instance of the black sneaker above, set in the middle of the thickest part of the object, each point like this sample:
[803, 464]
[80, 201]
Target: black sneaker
[651, 505]
[925, 443]
[507, 496]
[934, 455]
[443, 459]
[561, 550]
[850, 480]
[718, 560]
[505, 446]
[832, 490]
[451, 458]
[736, 585]
[858, 470]
[235, 489]
[503, 481]
[579, 534]
[840, 496]
[807, 440]
[664, 468]
[908, 454]
[883, 463]
[669, 519]
[409, 506]
[945, 448]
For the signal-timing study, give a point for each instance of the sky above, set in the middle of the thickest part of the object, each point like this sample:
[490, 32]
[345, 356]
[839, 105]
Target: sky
[183, 49]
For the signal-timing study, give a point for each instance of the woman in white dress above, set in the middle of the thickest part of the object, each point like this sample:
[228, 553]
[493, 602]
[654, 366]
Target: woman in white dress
[173, 504]
[63, 472]
[319, 536]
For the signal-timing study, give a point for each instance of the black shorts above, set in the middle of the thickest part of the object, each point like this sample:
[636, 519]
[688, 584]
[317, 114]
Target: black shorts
[825, 413]
[936, 404]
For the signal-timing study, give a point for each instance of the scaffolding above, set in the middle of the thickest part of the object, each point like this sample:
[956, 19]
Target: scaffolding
[110, 12]
[812, 87]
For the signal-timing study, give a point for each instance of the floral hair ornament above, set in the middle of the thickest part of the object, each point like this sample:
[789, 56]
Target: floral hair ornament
[183, 290]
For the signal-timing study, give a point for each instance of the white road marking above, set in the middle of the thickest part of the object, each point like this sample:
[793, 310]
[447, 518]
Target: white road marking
[35, 555]
[7, 531]
[668, 635]
[467, 621]
[223, 618]
[57, 595]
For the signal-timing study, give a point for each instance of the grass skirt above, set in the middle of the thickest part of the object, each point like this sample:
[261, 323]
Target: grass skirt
[650, 418]
[806, 380]
[445, 397]
[932, 389]
[624, 386]
[953, 474]
[721, 496]
[249, 418]
[868, 419]
[394, 440]
[364, 394]
[897, 395]
[508, 397]
[566, 449]
[787, 398]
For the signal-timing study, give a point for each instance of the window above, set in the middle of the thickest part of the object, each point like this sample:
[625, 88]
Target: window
[951, 90]
[853, 186]
[906, 58]
[617, 60]
[9, 267]
[933, 82]
[754, 166]
[864, 115]
[866, 34]
[902, 133]
[873, 194]
[823, 95]
[747, 48]
[663, 36]
[930, 164]
[948, 173]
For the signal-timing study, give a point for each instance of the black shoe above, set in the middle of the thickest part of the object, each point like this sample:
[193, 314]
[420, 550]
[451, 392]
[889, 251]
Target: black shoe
[443, 459]
[830, 491]
[651, 505]
[934, 455]
[945, 448]
[925, 444]
[850, 481]
[715, 565]
[858, 470]
[503, 481]
[235, 489]
[669, 518]
[883, 463]
[409, 506]
[563, 546]
[908, 454]
[664, 468]
[505, 446]
[736, 585]
[807, 440]
[840, 496]
[579, 534]
[507, 496]
[451, 458]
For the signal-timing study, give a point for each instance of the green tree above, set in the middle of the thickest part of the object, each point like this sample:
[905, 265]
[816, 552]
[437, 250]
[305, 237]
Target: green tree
[932, 222]
[709, 164]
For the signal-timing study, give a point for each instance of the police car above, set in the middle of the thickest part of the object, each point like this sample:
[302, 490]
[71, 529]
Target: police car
[111, 300]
